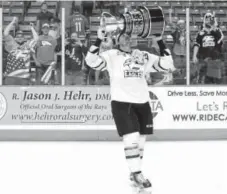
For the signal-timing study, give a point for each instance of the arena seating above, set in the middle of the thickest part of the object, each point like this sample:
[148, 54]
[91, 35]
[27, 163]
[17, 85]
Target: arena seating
[198, 9]
[16, 8]
[29, 19]
[175, 8]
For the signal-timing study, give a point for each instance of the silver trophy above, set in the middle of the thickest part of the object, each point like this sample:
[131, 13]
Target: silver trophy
[141, 22]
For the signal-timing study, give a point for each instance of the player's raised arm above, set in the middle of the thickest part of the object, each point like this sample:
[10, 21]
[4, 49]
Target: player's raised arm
[162, 63]
[93, 58]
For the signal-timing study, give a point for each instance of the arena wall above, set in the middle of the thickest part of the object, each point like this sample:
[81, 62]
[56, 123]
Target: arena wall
[211, 105]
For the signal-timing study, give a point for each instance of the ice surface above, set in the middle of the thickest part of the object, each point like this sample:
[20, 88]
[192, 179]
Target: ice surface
[100, 168]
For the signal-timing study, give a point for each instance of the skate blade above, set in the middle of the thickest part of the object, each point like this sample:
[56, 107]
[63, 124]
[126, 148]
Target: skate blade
[144, 191]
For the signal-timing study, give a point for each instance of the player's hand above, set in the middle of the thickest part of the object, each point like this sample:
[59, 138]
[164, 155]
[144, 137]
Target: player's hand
[101, 33]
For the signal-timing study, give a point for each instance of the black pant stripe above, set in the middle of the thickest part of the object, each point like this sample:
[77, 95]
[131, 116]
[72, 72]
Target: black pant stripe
[131, 148]
[132, 156]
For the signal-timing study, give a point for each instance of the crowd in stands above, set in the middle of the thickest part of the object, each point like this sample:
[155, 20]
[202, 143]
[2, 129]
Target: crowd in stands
[32, 39]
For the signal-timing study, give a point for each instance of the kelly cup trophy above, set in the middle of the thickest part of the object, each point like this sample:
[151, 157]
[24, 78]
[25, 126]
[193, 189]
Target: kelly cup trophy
[141, 22]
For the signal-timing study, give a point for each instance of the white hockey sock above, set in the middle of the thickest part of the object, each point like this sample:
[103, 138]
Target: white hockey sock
[142, 141]
[132, 153]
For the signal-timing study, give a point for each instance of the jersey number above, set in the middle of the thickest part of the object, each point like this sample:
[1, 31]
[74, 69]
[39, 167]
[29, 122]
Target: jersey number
[78, 26]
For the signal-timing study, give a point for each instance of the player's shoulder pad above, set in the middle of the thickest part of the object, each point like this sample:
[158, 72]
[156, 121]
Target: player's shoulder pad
[94, 49]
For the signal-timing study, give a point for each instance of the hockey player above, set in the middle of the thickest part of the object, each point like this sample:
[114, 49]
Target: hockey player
[207, 51]
[129, 94]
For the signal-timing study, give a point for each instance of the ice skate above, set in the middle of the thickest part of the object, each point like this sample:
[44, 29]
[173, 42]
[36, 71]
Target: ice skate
[139, 184]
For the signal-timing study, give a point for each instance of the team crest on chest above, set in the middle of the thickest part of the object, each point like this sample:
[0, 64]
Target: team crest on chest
[132, 69]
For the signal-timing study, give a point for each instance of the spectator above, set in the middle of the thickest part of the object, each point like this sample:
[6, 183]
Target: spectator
[55, 29]
[55, 32]
[207, 53]
[67, 5]
[43, 17]
[87, 8]
[78, 23]
[75, 4]
[179, 46]
[45, 57]
[75, 64]
[17, 70]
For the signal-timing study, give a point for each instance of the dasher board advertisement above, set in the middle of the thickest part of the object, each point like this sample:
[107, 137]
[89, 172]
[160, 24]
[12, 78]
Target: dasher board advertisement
[89, 107]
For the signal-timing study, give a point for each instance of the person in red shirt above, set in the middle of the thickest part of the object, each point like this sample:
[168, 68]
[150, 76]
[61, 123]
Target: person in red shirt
[45, 57]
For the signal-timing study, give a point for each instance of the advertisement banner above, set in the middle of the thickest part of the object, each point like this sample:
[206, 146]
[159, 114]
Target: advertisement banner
[89, 108]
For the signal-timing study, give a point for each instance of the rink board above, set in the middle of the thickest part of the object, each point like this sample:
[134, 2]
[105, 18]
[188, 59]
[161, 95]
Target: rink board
[107, 135]
[84, 114]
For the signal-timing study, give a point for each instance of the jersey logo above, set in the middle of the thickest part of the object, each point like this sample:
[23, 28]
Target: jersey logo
[208, 41]
[132, 70]
[46, 43]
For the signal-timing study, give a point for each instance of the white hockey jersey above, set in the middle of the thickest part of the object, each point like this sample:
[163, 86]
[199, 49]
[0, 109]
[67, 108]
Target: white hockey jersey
[127, 71]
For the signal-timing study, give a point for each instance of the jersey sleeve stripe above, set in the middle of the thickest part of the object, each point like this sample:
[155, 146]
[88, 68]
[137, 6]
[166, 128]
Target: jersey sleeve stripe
[166, 53]
[155, 68]
[95, 51]
[103, 68]
[101, 65]
[159, 65]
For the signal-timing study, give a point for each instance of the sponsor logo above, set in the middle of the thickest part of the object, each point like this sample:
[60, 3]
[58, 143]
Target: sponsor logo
[156, 106]
[3, 106]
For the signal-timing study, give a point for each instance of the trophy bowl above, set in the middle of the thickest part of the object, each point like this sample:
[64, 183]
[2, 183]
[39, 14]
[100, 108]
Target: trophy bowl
[142, 22]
